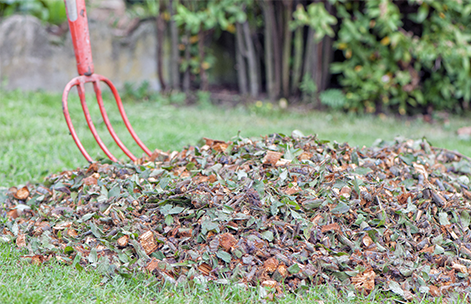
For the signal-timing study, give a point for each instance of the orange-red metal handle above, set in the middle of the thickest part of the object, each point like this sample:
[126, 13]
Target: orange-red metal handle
[78, 24]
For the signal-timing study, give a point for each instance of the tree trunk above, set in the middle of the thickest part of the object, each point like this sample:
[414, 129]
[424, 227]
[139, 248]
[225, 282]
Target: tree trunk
[203, 76]
[327, 53]
[241, 53]
[297, 59]
[268, 53]
[175, 53]
[160, 25]
[251, 59]
[285, 68]
[186, 75]
[326, 59]
[317, 64]
[276, 47]
[308, 53]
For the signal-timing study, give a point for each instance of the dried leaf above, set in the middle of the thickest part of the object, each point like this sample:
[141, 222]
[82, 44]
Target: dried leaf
[152, 265]
[63, 225]
[272, 157]
[367, 241]
[330, 227]
[21, 240]
[90, 181]
[22, 194]
[365, 281]
[123, 241]
[459, 267]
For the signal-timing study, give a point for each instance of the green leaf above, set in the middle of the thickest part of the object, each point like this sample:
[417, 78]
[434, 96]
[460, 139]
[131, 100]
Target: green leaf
[465, 219]
[176, 210]
[438, 250]
[115, 191]
[408, 158]
[293, 269]
[95, 230]
[86, 217]
[226, 257]
[341, 208]
[396, 288]
[93, 256]
[158, 255]
[312, 204]
[168, 220]
[362, 170]
[267, 235]
[443, 218]
[68, 249]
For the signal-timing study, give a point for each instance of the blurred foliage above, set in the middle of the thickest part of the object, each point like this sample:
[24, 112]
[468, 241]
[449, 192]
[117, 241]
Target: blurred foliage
[315, 16]
[137, 91]
[398, 56]
[50, 11]
[405, 62]
[309, 88]
[333, 98]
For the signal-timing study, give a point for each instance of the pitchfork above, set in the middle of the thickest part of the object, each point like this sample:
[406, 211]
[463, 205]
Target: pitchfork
[78, 24]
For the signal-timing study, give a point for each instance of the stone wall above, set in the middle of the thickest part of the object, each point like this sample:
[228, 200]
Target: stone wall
[32, 58]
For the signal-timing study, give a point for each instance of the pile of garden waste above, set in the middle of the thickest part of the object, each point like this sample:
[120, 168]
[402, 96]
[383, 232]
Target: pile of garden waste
[283, 212]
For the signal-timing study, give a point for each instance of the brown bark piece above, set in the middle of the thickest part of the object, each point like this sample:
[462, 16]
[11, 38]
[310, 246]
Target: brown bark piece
[227, 241]
[271, 264]
[205, 269]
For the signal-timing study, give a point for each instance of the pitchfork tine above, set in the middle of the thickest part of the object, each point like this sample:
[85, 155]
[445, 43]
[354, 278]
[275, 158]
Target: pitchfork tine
[81, 93]
[113, 134]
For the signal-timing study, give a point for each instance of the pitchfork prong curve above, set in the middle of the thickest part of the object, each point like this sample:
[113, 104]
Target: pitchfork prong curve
[123, 114]
[68, 120]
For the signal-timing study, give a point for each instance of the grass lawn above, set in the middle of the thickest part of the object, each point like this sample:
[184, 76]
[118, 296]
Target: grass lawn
[34, 142]
[21, 282]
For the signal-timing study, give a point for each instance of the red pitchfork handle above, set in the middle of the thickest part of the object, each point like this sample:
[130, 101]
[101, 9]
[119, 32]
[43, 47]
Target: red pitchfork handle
[78, 24]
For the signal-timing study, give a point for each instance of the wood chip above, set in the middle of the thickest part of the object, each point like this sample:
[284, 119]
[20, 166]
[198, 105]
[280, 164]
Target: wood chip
[148, 242]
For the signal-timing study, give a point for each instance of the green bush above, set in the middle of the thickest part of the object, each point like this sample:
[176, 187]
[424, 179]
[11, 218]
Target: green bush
[51, 11]
[405, 62]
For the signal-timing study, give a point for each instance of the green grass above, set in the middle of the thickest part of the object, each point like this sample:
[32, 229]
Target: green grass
[21, 282]
[34, 142]
[34, 139]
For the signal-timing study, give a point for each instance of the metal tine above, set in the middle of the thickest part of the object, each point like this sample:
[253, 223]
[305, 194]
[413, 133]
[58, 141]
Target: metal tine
[81, 93]
[96, 86]
[65, 109]
[124, 116]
